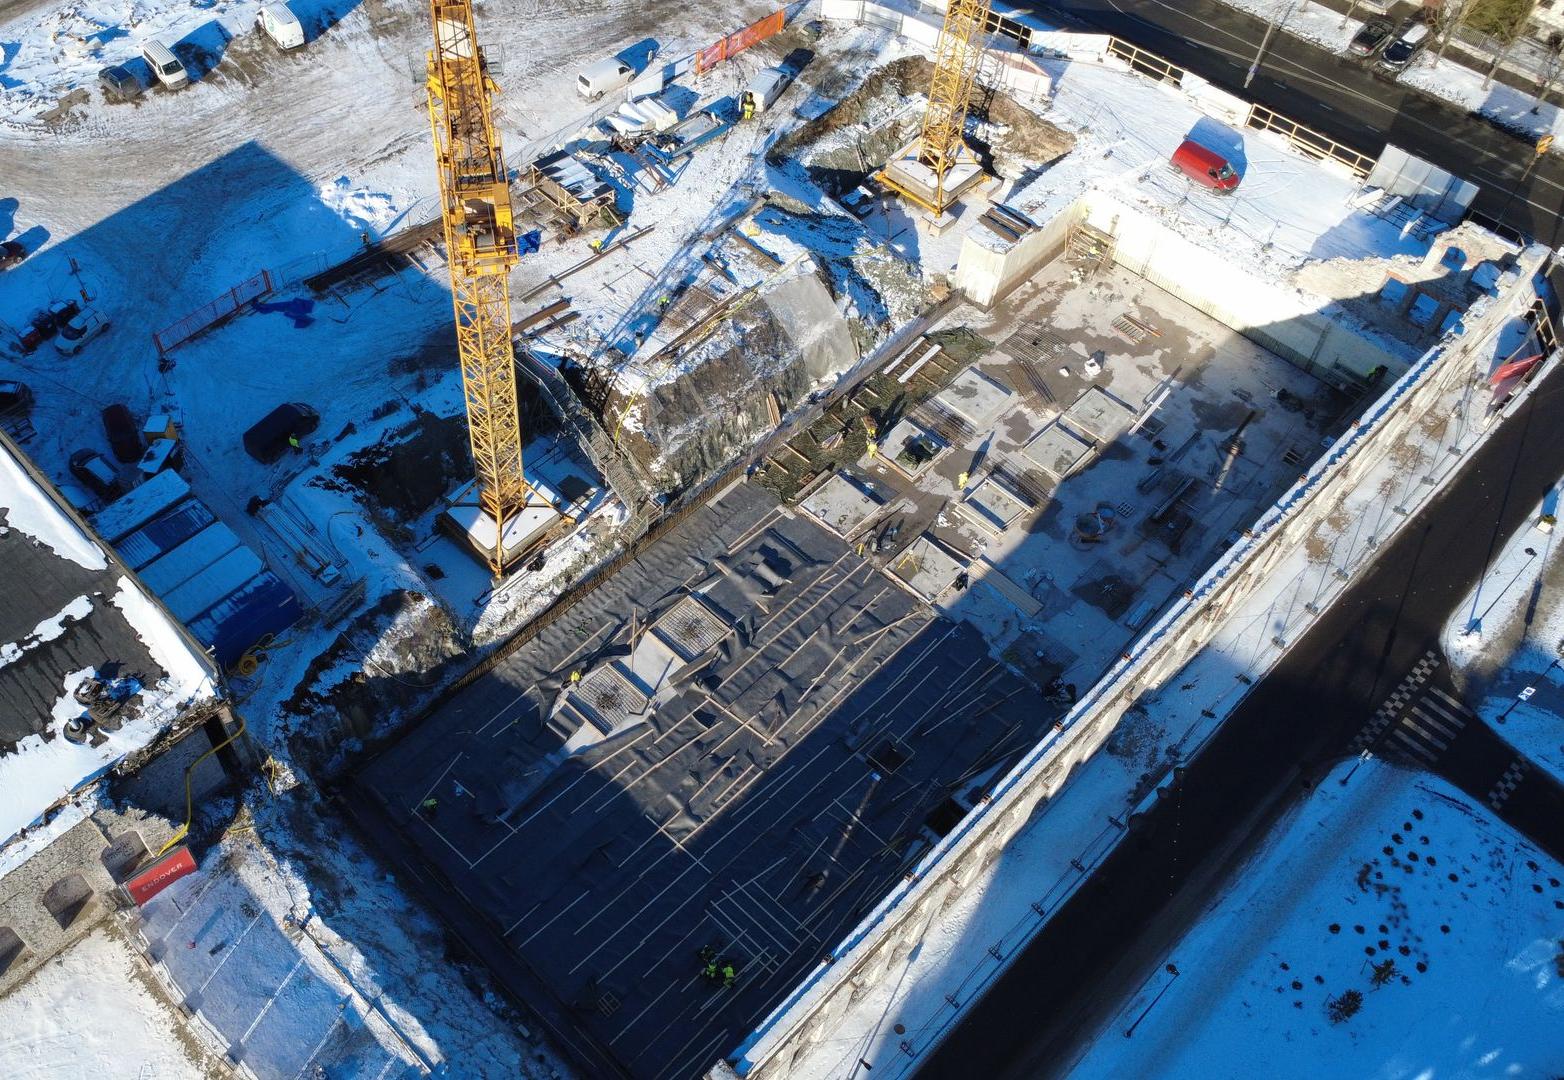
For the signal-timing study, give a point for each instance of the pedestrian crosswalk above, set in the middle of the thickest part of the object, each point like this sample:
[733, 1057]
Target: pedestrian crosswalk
[1429, 725]
[1505, 786]
[1391, 707]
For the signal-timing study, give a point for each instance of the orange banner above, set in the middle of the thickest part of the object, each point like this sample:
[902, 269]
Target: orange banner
[738, 41]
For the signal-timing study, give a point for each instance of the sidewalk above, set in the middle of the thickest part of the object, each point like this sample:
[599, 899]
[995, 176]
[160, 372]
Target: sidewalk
[1510, 101]
[1504, 641]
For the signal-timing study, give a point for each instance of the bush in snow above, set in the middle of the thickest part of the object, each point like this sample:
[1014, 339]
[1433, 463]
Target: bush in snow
[1344, 1007]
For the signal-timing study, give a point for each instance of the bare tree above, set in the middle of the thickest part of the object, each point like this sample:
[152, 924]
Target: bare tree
[1552, 68]
[1446, 18]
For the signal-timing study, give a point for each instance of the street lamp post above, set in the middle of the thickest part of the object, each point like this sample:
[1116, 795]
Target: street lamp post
[1171, 969]
[1542, 146]
[1254, 66]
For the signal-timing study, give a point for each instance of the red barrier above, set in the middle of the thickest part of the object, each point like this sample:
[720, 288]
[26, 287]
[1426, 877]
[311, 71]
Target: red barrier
[160, 875]
[738, 41]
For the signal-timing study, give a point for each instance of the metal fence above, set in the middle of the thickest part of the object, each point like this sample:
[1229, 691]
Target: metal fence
[213, 312]
[1309, 142]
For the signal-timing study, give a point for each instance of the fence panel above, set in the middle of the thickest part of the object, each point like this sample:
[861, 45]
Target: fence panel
[213, 312]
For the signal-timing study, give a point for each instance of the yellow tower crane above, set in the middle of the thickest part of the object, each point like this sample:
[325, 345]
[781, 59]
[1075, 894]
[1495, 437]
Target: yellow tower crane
[480, 242]
[957, 57]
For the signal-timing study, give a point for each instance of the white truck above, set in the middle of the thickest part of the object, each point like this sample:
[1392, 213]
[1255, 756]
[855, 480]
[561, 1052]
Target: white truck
[763, 91]
[278, 22]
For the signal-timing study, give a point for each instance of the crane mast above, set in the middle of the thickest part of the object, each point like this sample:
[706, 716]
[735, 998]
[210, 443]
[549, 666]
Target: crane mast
[480, 242]
[957, 56]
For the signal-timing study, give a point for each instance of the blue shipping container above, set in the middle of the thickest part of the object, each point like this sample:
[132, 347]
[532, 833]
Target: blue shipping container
[164, 533]
[263, 606]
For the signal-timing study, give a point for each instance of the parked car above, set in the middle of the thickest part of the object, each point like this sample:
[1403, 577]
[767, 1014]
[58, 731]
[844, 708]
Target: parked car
[165, 66]
[1205, 166]
[278, 22]
[91, 469]
[78, 330]
[11, 253]
[1399, 53]
[120, 83]
[15, 397]
[763, 90]
[597, 79]
[1371, 37]
[123, 432]
[267, 439]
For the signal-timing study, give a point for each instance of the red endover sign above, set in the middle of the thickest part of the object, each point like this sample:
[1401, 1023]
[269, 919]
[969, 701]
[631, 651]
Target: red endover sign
[160, 875]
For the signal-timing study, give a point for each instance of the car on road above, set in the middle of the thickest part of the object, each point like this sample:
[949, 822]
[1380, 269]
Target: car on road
[120, 83]
[91, 469]
[123, 432]
[1371, 38]
[1399, 53]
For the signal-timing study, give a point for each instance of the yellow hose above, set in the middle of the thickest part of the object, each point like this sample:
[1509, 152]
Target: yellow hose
[184, 830]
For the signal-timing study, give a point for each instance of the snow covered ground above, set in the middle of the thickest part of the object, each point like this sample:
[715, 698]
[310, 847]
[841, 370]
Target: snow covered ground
[1378, 866]
[90, 1013]
[1506, 640]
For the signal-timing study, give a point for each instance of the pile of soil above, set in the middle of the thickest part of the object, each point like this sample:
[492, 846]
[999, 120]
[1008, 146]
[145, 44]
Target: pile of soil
[412, 466]
[841, 147]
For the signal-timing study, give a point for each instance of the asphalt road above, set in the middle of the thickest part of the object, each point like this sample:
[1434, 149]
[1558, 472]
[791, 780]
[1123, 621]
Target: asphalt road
[1342, 98]
[1295, 725]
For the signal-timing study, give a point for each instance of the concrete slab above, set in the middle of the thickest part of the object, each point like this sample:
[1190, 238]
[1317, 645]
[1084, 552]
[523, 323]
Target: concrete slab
[994, 506]
[743, 813]
[913, 448]
[977, 399]
[842, 504]
[1100, 414]
[1057, 450]
[927, 567]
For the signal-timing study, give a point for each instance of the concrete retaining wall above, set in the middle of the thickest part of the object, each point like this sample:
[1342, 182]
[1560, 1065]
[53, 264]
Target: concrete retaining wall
[1281, 320]
[814, 1011]
[986, 276]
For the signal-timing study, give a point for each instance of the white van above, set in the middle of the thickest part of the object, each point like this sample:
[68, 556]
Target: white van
[278, 22]
[165, 66]
[597, 79]
[764, 89]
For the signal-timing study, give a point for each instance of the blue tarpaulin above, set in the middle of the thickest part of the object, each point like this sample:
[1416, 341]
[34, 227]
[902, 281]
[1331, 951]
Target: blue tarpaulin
[297, 309]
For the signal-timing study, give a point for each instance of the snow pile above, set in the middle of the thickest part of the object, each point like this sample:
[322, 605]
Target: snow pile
[1389, 927]
[1503, 104]
[25, 508]
[1312, 22]
[88, 1014]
